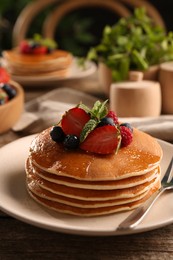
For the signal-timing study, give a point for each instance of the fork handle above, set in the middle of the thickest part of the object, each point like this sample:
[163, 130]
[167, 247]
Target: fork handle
[138, 214]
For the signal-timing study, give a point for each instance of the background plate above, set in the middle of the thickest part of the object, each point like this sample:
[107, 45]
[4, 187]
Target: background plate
[75, 72]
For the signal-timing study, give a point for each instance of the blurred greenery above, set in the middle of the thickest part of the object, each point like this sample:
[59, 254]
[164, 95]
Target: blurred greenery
[76, 32]
[9, 10]
[133, 43]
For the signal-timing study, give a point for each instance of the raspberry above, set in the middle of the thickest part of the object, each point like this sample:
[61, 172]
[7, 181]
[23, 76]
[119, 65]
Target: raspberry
[126, 134]
[25, 47]
[128, 126]
[113, 116]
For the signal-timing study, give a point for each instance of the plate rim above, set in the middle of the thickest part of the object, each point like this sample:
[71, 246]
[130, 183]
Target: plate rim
[45, 79]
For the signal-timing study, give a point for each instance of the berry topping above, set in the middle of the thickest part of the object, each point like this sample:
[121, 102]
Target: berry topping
[57, 134]
[37, 45]
[126, 134]
[11, 92]
[39, 50]
[128, 126]
[71, 142]
[74, 120]
[113, 116]
[4, 76]
[106, 121]
[25, 47]
[102, 140]
[3, 97]
[93, 130]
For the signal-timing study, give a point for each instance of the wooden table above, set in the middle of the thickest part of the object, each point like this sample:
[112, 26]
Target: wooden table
[23, 241]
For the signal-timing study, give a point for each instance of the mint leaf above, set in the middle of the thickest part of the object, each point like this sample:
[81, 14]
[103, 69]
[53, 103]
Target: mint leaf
[84, 107]
[47, 42]
[99, 110]
[89, 126]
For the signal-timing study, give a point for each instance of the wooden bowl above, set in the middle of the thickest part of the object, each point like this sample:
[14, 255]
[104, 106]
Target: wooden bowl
[12, 110]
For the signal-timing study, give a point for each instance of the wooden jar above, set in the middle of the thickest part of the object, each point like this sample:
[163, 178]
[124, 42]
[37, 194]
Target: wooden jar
[166, 82]
[136, 98]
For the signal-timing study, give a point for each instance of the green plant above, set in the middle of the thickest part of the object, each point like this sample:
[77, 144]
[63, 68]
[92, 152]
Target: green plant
[133, 43]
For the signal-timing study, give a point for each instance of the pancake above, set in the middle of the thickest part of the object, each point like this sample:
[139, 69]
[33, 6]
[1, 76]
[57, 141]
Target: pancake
[141, 156]
[88, 212]
[15, 57]
[97, 185]
[30, 64]
[89, 194]
[89, 184]
[57, 73]
[40, 192]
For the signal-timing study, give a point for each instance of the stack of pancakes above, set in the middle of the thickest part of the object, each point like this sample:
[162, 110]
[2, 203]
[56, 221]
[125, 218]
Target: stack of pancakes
[88, 184]
[56, 63]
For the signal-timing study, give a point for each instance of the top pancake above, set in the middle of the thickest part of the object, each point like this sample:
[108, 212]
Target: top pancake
[141, 156]
[14, 57]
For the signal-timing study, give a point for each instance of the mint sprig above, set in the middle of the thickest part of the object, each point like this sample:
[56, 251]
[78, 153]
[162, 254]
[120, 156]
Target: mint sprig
[89, 126]
[47, 42]
[98, 112]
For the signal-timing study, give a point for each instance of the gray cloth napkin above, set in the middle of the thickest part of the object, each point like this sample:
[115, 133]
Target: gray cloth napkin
[48, 109]
[160, 127]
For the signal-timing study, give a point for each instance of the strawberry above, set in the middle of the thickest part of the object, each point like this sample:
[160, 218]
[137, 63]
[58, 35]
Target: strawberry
[4, 76]
[25, 47]
[74, 120]
[39, 50]
[102, 140]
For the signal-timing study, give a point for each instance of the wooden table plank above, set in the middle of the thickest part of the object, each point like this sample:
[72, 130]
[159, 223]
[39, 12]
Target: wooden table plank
[27, 242]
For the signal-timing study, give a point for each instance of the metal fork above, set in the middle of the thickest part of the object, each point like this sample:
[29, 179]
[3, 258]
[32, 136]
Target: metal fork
[138, 214]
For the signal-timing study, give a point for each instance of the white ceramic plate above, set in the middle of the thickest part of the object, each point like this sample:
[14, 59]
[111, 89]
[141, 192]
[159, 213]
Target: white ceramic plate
[75, 72]
[15, 201]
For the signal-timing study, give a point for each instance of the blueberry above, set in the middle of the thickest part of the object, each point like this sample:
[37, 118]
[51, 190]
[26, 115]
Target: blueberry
[57, 134]
[1, 102]
[128, 126]
[11, 92]
[71, 142]
[106, 121]
[34, 45]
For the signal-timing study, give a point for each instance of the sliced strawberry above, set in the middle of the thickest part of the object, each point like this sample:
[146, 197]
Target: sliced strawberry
[74, 120]
[4, 76]
[39, 50]
[102, 140]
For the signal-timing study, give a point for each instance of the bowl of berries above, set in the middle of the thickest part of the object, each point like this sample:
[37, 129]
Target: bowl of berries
[11, 101]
